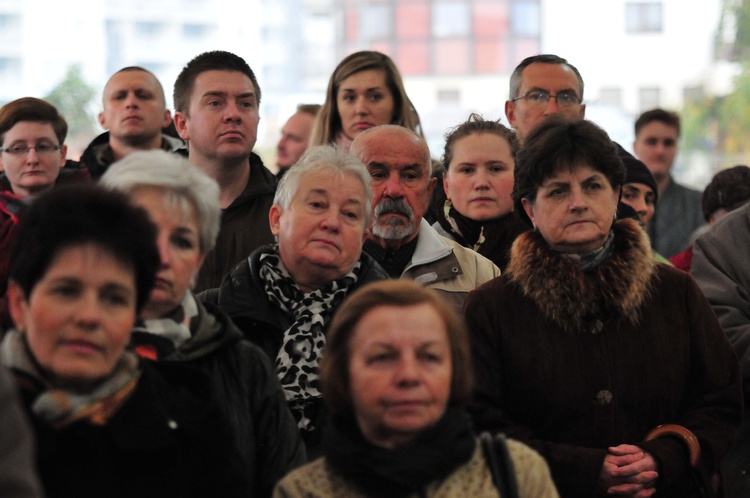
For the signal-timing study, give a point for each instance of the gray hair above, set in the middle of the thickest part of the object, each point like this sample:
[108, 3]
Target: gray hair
[318, 158]
[182, 182]
[515, 78]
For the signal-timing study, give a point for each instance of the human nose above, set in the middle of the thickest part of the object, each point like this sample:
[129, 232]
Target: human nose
[89, 310]
[331, 221]
[131, 101]
[407, 371]
[361, 107]
[165, 252]
[393, 187]
[232, 112]
[552, 106]
[577, 199]
[32, 156]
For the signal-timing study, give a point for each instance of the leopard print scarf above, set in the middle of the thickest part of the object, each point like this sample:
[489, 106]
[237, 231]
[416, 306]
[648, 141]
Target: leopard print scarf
[303, 343]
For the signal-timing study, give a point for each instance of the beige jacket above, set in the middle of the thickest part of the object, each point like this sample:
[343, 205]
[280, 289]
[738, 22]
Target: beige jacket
[318, 480]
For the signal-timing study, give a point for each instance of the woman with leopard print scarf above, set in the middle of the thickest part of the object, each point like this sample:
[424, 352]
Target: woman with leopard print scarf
[285, 294]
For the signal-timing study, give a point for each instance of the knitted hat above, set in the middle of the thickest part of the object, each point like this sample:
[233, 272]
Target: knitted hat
[636, 171]
[729, 189]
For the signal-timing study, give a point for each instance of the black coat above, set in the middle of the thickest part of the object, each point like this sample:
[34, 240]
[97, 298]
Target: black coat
[164, 441]
[247, 392]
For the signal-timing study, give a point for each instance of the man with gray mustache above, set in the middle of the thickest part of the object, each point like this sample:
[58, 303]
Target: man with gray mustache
[404, 244]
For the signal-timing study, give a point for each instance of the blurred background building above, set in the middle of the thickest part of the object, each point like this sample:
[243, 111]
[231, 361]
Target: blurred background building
[456, 56]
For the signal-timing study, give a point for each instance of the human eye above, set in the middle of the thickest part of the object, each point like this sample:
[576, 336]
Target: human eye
[593, 186]
[380, 358]
[116, 298]
[567, 98]
[378, 174]
[66, 290]
[628, 196]
[409, 175]
[466, 170]
[247, 104]
[538, 97]
[183, 242]
[376, 96]
[352, 215]
[348, 97]
[42, 148]
[144, 95]
[18, 149]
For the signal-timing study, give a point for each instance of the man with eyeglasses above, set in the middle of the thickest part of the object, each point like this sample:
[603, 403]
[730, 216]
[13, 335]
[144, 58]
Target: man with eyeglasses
[678, 212]
[542, 85]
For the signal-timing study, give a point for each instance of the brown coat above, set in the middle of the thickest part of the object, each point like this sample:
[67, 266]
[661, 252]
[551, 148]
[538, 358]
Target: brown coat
[573, 363]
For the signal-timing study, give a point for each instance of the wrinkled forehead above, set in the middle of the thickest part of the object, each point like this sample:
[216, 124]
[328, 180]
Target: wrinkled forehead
[393, 149]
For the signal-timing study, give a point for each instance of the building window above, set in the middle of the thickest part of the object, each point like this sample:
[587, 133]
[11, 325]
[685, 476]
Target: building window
[649, 98]
[448, 96]
[643, 17]
[450, 19]
[611, 96]
[377, 21]
[195, 31]
[526, 18]
[143, 28]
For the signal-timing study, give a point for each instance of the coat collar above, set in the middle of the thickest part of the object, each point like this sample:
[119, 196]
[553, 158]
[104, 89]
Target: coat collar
[570, 298]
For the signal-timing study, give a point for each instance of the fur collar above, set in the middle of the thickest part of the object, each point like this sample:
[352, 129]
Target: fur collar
[570, 298]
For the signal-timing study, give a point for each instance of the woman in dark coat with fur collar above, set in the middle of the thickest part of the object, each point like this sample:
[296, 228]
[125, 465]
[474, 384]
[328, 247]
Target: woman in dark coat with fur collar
[586, 344]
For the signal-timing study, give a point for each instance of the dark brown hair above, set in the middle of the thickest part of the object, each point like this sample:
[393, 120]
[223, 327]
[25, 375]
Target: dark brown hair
[216, 60]
[34, 110]
[334, 367]
[475, 125]
[557, 144]
[729, 189]
[668, 118]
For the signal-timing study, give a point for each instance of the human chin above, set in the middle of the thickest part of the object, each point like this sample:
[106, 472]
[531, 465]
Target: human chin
[392, 228]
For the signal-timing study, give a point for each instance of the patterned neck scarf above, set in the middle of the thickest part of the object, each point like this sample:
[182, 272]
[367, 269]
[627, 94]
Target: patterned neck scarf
[59, 407]
[159, 337]
[590, 261]
[303, 343]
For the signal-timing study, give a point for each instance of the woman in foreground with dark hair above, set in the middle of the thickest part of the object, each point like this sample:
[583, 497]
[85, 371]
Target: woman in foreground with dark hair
[82, 266]
[586, 344]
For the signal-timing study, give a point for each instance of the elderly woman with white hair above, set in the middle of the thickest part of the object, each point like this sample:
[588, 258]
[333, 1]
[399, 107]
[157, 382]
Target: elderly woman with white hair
[283, 296]
[175, 327]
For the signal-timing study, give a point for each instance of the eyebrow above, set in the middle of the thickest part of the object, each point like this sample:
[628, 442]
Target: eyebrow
[595, 176]
[539, 89]
[217, 93]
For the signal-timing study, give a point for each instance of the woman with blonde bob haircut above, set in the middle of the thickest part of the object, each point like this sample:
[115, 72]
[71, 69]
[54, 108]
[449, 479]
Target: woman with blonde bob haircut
[396, 377]
[365, 90]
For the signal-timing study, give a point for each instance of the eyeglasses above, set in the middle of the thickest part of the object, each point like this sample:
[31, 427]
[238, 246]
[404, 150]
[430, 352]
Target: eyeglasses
[22, 150]
[539, 98]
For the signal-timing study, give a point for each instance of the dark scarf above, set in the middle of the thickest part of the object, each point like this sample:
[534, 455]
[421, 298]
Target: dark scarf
[591, 260]
[491, 238]
[399, 472]
[394, 262]
[59, 407]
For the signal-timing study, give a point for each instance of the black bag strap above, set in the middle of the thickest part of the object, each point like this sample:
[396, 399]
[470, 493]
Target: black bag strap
[500, 464]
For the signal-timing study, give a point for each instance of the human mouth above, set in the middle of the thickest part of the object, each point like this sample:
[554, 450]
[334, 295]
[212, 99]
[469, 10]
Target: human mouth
[362, 125]
[82, 346]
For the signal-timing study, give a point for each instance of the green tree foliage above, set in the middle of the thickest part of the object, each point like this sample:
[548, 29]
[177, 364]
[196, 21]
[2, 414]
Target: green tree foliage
[722, 124]
[72, 97]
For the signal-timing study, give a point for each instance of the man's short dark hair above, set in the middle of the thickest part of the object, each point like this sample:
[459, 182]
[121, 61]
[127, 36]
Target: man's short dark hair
[558, 144]
[69, 216]
[515, 78]
[729, 189]
[34, 110]
[217, 60]
[668, 118]
[311, 109]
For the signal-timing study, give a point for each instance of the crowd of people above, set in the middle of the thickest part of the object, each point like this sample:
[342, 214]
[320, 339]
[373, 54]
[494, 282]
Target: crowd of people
[517, 318]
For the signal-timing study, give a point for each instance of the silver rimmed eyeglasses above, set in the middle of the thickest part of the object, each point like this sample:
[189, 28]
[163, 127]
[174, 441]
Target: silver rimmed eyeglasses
[541, 98]
[22, 150]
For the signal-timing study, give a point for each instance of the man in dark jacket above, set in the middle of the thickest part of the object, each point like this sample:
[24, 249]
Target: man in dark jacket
[134, 113]
[216, 98]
